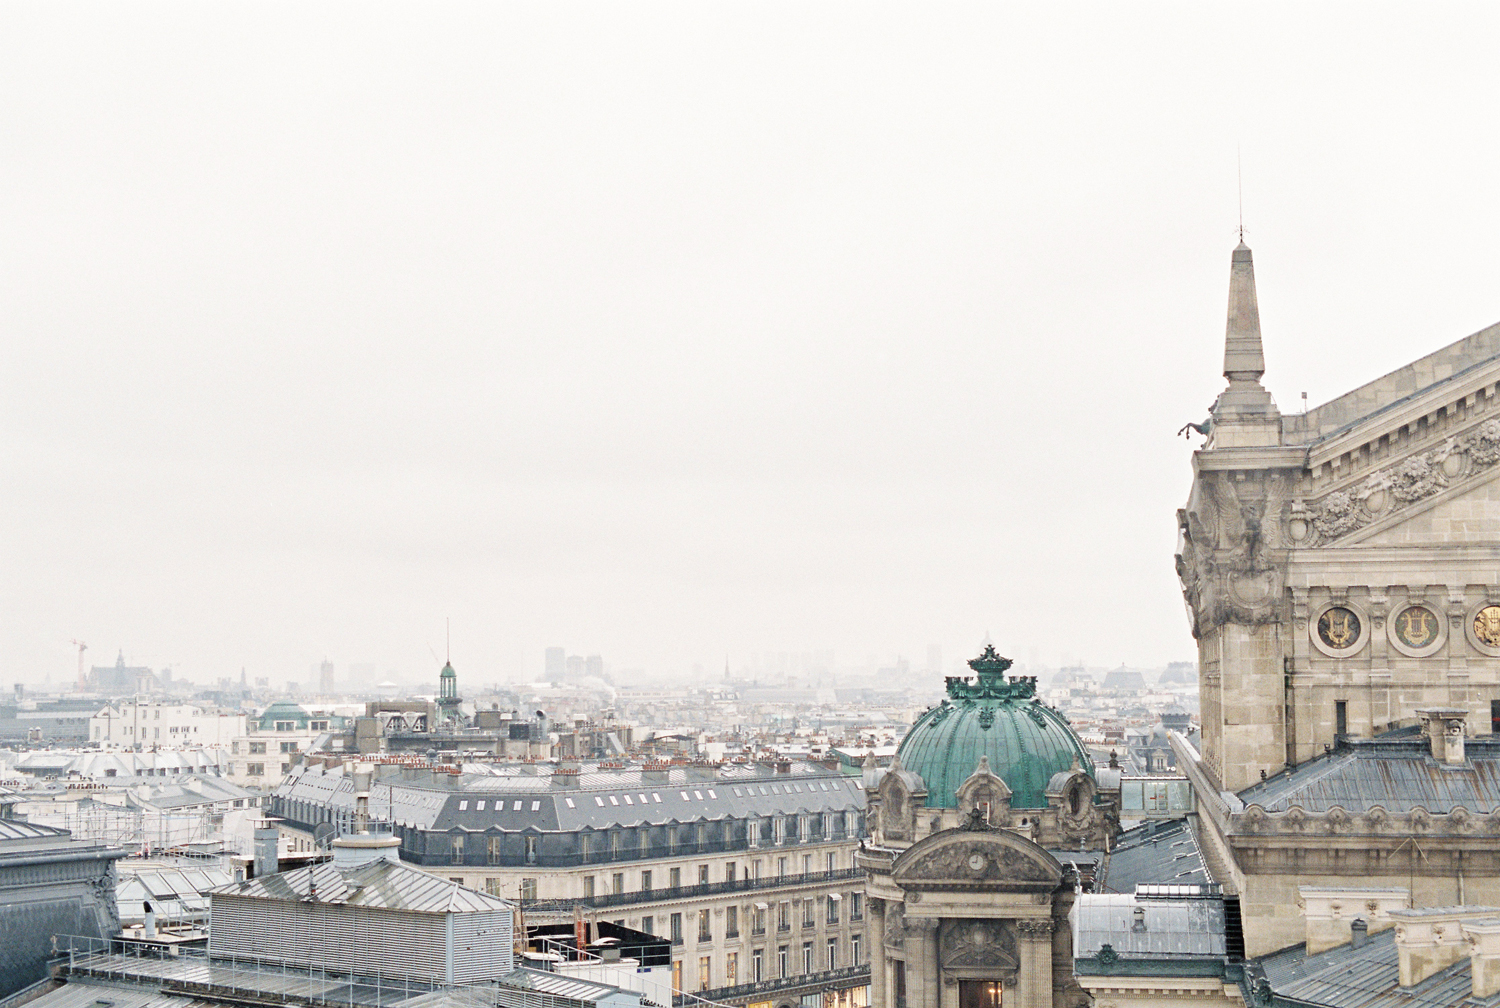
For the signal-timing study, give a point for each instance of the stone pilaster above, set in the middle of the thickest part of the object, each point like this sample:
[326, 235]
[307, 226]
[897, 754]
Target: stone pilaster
[1036, 962]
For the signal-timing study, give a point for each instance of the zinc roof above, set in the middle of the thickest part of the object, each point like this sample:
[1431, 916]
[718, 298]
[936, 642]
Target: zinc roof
[1369, 977]
[79, 994]
[1164, 853]
[1396, 774]
[383, 884]
[14, 829]
[602, 799]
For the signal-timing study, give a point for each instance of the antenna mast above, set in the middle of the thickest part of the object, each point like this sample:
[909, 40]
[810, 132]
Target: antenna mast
[1239, 177]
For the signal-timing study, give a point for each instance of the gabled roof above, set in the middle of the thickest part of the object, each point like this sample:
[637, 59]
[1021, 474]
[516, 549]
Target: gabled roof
[383, 884]
[1447, 365]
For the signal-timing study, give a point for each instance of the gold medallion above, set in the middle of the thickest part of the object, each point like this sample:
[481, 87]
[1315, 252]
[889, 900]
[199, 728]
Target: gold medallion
[1487, 625]
[1339, 628]
[1417, 626]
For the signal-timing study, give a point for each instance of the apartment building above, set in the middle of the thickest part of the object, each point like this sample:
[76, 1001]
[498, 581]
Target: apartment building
[747, 868]
[274, 741]
[142, 724]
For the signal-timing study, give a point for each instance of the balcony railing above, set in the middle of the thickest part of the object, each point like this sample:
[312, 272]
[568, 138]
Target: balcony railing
[849, 976]
[693, 891]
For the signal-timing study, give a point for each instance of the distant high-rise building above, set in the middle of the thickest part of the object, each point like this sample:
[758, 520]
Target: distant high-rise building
[593, 666]
[325, 676]
[556, 664]
[573, 667]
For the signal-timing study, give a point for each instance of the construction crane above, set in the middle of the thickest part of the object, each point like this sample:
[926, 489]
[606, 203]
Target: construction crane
[83, 681]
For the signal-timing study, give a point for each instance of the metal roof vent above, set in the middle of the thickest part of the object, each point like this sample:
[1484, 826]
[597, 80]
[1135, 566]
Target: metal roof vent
[355, 849]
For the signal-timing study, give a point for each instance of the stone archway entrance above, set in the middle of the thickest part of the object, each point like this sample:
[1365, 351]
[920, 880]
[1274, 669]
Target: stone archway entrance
[980, 993]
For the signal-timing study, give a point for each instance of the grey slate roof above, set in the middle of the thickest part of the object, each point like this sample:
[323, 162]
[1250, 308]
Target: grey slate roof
[1345, 977]
[383, 884]
[1165, 853]
[1398, 774]
[602, 799]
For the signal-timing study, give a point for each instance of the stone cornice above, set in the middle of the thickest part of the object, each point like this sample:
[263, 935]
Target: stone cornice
[1231, 459]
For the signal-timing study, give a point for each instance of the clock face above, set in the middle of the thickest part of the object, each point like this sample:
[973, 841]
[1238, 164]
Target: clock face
[1416, 626]
[976, 861]
[1339, 628]
[1487, 625]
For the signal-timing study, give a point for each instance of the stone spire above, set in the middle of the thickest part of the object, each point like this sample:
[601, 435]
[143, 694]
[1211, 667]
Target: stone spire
[1245, 415]
[1244, 360]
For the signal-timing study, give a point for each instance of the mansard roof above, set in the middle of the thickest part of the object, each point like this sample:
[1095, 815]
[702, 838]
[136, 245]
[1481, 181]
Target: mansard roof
[601, 799]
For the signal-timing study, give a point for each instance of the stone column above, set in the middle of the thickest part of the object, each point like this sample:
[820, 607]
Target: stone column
[923, 982]
[1036, 962]
[875, 943]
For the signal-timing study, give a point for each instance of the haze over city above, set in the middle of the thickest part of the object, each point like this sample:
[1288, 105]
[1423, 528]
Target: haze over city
[675, 332]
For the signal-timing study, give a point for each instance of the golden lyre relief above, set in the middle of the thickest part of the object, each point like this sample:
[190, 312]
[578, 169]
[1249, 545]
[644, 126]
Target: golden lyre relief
[1487, 625]
[1417, 626]
[1339, 628]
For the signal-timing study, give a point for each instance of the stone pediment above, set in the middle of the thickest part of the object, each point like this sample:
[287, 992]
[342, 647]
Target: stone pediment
[976, 859]
[1444, 494]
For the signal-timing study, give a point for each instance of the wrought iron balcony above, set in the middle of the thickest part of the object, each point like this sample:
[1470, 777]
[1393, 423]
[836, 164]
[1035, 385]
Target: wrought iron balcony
[692, 891]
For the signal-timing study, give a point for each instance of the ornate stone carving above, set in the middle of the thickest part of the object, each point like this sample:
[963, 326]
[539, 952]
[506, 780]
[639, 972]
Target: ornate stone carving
[1230, 535]
[997, 863]
[978, 944]
[1036, 929]
[895, 926]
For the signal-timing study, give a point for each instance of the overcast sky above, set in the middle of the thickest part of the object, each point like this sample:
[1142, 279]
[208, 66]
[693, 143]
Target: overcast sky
[671, 331]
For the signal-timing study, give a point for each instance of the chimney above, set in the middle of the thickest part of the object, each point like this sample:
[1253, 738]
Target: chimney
[354, 850]
[563, 777]
[654, 772]
[784, 766]
[1484, 955]
[267, 857]
[1445, 728]
[1359, 933]
[1429, 939]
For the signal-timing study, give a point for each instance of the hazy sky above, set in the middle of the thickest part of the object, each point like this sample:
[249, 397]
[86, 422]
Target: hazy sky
[666, 331]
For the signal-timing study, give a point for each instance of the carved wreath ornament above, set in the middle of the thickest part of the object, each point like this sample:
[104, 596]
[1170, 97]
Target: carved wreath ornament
[1406, 482]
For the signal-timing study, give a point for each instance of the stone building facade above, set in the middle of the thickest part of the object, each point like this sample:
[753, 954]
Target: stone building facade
[1340, 565]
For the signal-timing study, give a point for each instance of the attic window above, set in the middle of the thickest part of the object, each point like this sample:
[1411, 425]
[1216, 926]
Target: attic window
[536, 806]
[598, 801]
[711, 793]
[613, 800]
[463, 806]
[515, 808]
[655, 797]
[479, 806]
[568, 800]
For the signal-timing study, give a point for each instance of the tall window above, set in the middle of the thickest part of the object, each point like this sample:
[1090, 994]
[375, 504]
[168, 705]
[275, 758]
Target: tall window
[617, 883]
[752, 833]
[645, 881]
[833, 908]
[729, 872]
[731, 969]
[676, 921]
[677, 974]
[674, 878]
[898, 982]
[856, 906]
[588, 887]
[807, 864]
[705, 929]
[1340, 717]
[703, 874]
[731, 922]
[807, 957]
[833, 954]
[783, 916]
[705, 968]
[809, 913]
[648, 925]
[531, 850]
[457, 854]
[757, 965]
[493, 851]
[833, 860]
[758, 923]
[854, 950]
[528, 888]
[783, 960]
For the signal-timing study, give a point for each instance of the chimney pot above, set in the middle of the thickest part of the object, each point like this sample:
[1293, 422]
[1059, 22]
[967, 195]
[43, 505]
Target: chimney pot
[1359, 932]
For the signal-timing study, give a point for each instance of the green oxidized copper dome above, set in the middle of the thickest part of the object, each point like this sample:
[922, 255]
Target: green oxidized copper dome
[1026, 741]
